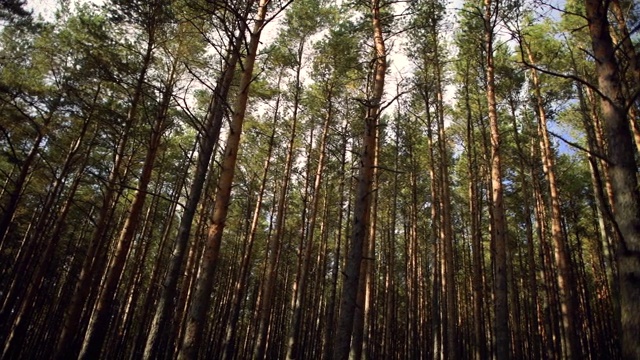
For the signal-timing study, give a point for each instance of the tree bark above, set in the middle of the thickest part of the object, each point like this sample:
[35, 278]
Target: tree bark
[498, 221]
[198, 308]
[480, 339]
[363, 195]
[208, 138]
[92, 264]
[623, 171]
[565, 277]
[99, 323]
[295, 335]
[240, 289]
[273, 251]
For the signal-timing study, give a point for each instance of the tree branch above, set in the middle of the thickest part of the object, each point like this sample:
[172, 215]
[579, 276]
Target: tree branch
[579, 147]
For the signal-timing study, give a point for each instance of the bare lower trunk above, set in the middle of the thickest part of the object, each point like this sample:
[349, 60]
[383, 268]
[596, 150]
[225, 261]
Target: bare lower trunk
[296, 334]
[99, 324]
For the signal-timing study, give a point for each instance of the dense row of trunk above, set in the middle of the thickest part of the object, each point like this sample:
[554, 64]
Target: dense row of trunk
[291, 215]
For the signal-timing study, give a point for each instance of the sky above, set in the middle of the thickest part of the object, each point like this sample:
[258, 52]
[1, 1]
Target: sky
[44, 8]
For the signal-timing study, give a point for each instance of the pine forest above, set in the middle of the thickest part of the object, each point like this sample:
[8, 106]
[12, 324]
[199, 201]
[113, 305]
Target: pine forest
[319, 179]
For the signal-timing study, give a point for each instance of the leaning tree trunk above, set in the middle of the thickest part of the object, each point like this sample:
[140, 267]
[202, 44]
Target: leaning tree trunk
[9, 209]
[241, 285]
[100, 319]
[71, 324]
[208, 139]
[196, 318]
[46, 244]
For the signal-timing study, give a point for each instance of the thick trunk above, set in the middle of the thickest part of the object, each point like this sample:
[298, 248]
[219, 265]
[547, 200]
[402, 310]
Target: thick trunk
[632, 85]
[359, 339]
[623, 172]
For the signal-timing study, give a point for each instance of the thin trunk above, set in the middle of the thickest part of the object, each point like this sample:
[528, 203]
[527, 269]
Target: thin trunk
[532, 313]
[295, 336]
[19, 183]
[271, 270]
[480, 339]
[447, 227]
[566, 281]
[331, 303]
[498, 224]
[27, 300]
[231, 335]
[99, 324]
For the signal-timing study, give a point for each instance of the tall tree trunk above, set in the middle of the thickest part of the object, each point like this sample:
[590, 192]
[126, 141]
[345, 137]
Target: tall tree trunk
[19, 183]
[623, 171]
[363, 194]
[633, 66]
[273, 250]
[198, 308]
[100, 319]
[295, 335]
[566, 281]
[531, 302]
[480, 339]
[240, 289]
[208, 138]
[447, 227]
[92, 263]
[498, 221]
[46, 245]
[359, 336]
[331, 303]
